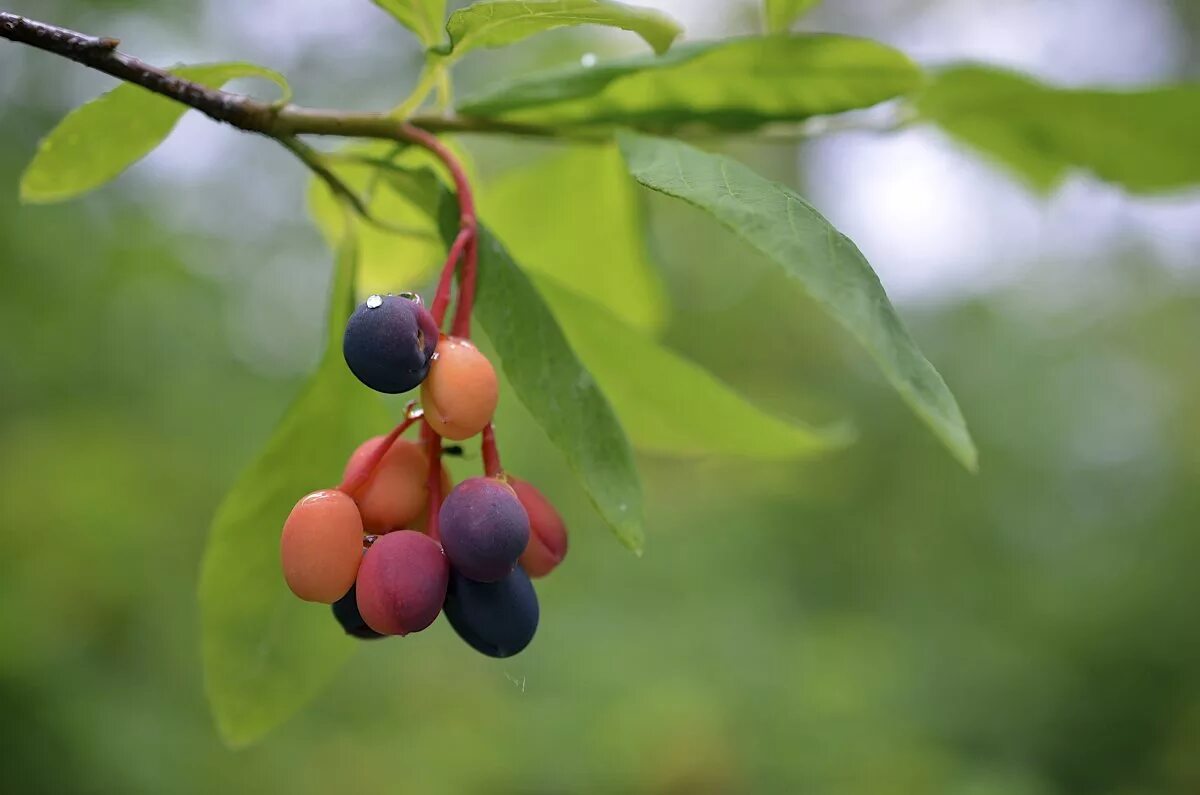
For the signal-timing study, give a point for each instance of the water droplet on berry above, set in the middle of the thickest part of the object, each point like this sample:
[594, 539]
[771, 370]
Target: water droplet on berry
[374, 302]
[588, 60]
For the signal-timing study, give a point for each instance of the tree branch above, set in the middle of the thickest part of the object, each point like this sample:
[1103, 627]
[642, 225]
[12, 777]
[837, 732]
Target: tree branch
[238, 110]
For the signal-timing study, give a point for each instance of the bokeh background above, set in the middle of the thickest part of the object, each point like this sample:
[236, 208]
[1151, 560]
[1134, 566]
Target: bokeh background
[874, 621]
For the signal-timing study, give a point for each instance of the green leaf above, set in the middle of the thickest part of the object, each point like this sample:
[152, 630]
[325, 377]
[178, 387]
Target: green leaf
[782, 14]
[388, 261]
[1144, 140]
[597, 244]
[97, 141]
[554, 386]
[422, 17]
[668, 404]
[495, 23]
[775, 220]
[265, 652]
[736, 85]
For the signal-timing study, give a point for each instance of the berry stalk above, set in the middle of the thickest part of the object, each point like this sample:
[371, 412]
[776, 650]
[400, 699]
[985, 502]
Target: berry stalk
[491, 453]
[441, 299]
[357, 478]
[464, 246]
[433, 447]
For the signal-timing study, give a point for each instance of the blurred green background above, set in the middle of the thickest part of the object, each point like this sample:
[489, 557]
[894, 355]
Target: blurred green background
[873, 621]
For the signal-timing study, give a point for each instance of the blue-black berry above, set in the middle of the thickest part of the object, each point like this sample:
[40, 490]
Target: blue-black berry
[495, 618]
[389, 342]
[345, 610]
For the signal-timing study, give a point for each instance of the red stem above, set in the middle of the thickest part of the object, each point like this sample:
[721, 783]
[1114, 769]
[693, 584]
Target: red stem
[464, 244]
[441, 300]
[491, 453]
[358, 477]
[465, 248]
[433, 448]
[466, 291]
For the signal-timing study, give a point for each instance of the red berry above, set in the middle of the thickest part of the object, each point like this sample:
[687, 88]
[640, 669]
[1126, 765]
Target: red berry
[397, 491]
[402, 583]
[547, 532]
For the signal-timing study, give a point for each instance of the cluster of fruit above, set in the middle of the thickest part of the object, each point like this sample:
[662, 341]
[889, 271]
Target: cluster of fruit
[384, 548]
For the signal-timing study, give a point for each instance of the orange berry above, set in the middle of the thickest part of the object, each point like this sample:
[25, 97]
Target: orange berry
[460, 393]
[396, 493]
[321, 546]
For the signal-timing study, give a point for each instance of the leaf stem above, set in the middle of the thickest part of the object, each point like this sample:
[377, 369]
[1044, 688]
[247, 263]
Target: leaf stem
[316, 163]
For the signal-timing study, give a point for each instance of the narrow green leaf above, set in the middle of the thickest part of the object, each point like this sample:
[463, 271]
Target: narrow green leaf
[586, 197]
[554, 386]
[775, 220]
[735, 84]
[1144, 140]
[422, 17]
[98, 140]
[782, 14]
[496, 23]
[265, 652]
[668, 404]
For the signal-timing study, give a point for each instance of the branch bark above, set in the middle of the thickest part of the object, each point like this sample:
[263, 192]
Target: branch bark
[238, 110]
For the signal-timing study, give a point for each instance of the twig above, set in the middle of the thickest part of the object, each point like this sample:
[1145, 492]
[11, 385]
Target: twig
[315, 162]
[238, 110]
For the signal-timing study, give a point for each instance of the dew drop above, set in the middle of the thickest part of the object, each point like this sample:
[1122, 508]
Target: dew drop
[588, 60]
[374, 302]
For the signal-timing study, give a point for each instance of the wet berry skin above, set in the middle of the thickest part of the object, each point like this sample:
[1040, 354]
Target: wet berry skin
[484, 528]
[461, 392]
[321, 546]
[498, 619]
[345, 610]
[547, 531]
[396, 493]
[389, 342]
[402, 583]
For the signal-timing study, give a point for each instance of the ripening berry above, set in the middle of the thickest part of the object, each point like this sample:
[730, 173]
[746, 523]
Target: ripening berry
[321, 546]
[345, 610]
[389, 342]
[547, 531]
[484, 528]
[495, 618]
[402, 583]
[397, 491]
[460, 393]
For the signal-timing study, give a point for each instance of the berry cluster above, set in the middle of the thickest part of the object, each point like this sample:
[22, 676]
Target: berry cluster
[384, 547]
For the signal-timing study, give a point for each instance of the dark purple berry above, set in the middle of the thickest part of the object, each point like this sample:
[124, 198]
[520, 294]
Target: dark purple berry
[389, 342]
[345, 610]
[484, 528]
[495, 618]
